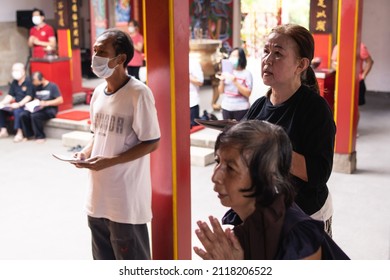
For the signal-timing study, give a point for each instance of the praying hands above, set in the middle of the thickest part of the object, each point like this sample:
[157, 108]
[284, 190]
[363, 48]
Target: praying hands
[218, 244]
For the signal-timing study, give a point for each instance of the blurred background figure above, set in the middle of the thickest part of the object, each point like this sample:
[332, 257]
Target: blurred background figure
[196, 80]
[42, 35]
[366, 63]
[138, 42]
[49, 97]
[236, 85]
[21, 92]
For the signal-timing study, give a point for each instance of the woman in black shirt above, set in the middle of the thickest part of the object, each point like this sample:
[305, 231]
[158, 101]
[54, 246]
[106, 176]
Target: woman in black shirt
[293, 102]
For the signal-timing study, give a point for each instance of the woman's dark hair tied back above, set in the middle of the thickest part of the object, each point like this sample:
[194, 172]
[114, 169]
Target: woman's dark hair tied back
[305, 47]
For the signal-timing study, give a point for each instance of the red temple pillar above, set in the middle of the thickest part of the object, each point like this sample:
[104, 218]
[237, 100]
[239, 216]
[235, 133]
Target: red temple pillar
[323, 49]
[166, 36]
[347, 84]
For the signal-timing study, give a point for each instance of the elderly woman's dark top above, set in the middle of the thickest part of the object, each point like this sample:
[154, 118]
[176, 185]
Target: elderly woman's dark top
[277, 233]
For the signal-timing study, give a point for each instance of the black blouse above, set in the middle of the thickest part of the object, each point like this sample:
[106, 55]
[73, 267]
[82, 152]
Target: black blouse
[308, 121]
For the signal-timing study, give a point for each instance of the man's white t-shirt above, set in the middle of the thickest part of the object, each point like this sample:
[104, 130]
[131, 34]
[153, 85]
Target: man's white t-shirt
[122, 193]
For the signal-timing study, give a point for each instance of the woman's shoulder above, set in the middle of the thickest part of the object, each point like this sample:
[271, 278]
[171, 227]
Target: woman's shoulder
[247, 73]
[28, 81]
[301, 235]
[313, 103]
[138, 89]
[312, 97]
[259, 101]
[255, 108]
[242, 73]
[137, 37]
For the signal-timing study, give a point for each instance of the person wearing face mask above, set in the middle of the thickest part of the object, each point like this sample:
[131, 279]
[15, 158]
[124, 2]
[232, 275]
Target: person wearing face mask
[125, 131]
[48, 97]
[42, 35]
[236, 87]
[20, 92]
[138, 42]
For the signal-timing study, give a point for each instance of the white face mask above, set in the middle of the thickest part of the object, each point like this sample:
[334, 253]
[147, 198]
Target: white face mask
[37, 20]
[17, 74]
[100, 66]
[131, 29]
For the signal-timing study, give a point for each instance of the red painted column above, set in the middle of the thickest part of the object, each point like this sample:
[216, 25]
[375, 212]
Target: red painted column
[166, 36]
[323, 49]
[347, 84]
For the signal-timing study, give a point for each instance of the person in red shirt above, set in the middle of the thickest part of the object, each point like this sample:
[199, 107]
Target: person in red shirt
[138, 41]
[42, 35]
[365, 66]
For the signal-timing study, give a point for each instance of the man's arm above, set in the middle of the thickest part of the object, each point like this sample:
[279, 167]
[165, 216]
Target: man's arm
[85, 153]
[99, 163]
[195, 81]
[136, 152]
[139, 46]
[334, 57]
[368, 62]
[7, 100]
[31, 41]
[55, 102]
[52, 42]
[25, 100]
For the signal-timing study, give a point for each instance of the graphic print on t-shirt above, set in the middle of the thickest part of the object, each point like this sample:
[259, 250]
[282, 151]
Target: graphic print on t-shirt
[105, 123]
[43, 94]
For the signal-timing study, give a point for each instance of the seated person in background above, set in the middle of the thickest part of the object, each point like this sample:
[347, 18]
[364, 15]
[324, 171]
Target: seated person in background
[252, 177]
[42, 35]
[20, 92]
[49, 97]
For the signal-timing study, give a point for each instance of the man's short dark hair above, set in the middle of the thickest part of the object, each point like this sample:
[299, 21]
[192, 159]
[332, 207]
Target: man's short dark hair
[122, 43]
[41, 12]
[38, 75]
[135, 23]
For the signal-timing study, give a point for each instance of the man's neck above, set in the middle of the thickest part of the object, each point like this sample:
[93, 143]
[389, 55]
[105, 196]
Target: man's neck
[116, 83]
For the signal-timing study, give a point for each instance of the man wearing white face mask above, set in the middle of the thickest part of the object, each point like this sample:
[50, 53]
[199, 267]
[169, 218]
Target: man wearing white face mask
[138, 42]
[125, 131]
[41, 35]
[20, 92]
